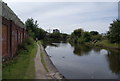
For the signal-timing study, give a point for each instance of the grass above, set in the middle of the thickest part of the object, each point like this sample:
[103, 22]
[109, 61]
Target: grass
[42, 57]
[107, 44]
[39, 42]
[22, 66]
[30, 73]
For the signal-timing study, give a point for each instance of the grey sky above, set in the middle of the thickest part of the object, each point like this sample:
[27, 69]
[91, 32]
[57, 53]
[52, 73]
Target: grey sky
[68, 16]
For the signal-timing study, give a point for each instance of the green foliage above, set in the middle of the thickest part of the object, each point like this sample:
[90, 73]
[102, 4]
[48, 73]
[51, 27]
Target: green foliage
[55, 35]
[76, 36]
[114, 32]
[22, 66]
[31, 34]
[107, 43]
[86, 37]
[33, 29]
[81, 36]
[79, 40]
[40, 33]
[42, 57]
[24, 47]
[64, 36]
[31, 25]
[96, 37]
[78, 32]
[94, 33]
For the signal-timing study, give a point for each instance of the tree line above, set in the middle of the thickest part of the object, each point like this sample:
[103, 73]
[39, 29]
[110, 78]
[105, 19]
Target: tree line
[35, 31]
[113, 35]
[81, 36]
[77, 36]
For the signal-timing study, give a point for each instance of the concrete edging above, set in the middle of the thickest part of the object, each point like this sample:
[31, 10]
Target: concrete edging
[51, 67]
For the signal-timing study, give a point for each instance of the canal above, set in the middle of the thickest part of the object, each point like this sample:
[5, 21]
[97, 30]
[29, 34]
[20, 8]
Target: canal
[84, 62]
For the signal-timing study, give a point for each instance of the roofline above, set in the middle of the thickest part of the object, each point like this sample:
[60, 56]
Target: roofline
[10, 15]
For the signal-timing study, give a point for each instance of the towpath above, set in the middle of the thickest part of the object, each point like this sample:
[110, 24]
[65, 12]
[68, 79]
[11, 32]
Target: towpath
[40, 71]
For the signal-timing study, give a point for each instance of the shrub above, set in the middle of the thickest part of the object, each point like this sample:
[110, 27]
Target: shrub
[25, 46]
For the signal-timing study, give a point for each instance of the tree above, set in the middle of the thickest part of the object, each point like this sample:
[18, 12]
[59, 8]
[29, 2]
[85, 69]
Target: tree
[64, 36]
[31, 27]
[78, 32]
[96, 37]
[34, 30]
[86, 37]
[75, 36]
[55, 35]
[31, 24]
[40, 33]
[114, 32]
[94, 33]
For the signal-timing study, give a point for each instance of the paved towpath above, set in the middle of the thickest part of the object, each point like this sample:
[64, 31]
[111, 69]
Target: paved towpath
[40, 71]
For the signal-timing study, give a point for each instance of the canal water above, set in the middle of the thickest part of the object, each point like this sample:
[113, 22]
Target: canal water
[83, 62]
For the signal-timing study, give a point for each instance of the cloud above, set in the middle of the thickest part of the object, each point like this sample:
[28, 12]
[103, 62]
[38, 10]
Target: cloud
[68, 16]
[61, 0]
[88, 26]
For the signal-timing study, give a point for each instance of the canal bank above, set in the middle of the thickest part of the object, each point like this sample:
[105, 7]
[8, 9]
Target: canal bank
[52, 72]
[105, 45]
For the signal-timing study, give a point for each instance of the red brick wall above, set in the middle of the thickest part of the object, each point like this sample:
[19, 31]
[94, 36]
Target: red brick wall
[5, 38]
[12, 36]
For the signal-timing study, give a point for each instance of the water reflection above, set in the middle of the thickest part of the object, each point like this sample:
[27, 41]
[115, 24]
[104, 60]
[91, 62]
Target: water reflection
[97, 49]
[114, 62]
[92, 61]
[54, 43]
[81, 50]
[113, 58]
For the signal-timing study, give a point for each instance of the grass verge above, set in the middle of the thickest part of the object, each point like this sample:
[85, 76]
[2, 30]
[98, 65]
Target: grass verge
[106, 43]
[22, 66]
[42, 57]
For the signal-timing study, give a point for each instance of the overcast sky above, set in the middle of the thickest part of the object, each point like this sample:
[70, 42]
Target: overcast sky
[68, 16]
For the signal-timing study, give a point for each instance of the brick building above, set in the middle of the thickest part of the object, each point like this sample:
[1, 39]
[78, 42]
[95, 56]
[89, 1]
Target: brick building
[13, 32]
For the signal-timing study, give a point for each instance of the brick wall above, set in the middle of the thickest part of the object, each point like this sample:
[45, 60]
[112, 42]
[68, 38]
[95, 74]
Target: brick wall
[13, 32]
[5, 38]
[12, 36]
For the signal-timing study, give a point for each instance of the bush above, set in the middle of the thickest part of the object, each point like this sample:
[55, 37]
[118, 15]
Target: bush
[80, 41]
[24, 47]
[96, 37]
[21, 66]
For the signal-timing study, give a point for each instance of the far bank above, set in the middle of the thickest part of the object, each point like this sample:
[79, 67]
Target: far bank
[105, 44]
